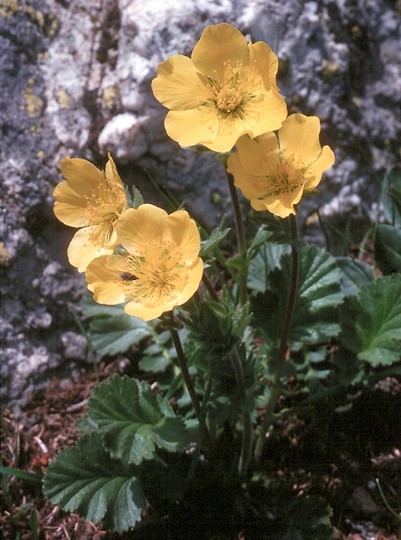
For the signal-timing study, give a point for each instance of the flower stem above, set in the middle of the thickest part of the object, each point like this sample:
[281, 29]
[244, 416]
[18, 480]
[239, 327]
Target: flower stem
[182, 362]
[239, 228]
[246, 447]
[209, 287]
[283, 347]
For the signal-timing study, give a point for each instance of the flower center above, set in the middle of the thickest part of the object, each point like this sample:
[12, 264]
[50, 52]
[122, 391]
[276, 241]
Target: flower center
[156, 276]
[228, 99]
[289, 175]
[103, 207]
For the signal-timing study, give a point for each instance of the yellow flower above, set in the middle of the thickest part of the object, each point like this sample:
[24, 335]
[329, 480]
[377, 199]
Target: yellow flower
[161, 268]
[226, 89]
[92, 200]
[273, 171]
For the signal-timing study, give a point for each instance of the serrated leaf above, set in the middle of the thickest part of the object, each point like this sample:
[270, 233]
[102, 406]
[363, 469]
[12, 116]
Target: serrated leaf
[388, 248]
[112, 330]
[316, 315]
[391, 197]
[371, 322]
[114, 335]
[266, 260]
[133, 421]
[85, 479]
[158, 355]
[355, 273]
[214, 240]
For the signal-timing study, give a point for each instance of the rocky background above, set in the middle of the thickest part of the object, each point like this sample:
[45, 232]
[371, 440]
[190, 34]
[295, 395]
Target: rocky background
[75, 80]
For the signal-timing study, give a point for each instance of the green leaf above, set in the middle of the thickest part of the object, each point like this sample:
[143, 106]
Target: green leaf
[112, 330]
[214, 240]
[355, 273]
[277, 228]
[85, 479]
[371, 322]
[157, 356]
[391, 197]
[388, 248]
[266, 260]
[259, 240]
[23, 475]
[316, 316]
[133, 420]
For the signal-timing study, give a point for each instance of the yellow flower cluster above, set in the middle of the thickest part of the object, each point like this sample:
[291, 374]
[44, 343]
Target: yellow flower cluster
[226, 95]
[156, 267]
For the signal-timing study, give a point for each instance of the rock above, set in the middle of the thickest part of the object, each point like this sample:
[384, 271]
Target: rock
[75, 346]
[75, 80]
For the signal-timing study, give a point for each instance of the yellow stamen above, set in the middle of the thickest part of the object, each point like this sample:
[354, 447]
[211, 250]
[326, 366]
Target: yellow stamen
[159, 274]
[288, 176]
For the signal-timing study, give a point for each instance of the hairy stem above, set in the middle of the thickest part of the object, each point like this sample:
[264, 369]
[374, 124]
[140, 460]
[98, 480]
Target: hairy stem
[239, 228]
[246, 446]
[182, 362]
[283, 347]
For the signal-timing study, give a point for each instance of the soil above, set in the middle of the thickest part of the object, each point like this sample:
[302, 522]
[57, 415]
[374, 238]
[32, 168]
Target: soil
[338, 455]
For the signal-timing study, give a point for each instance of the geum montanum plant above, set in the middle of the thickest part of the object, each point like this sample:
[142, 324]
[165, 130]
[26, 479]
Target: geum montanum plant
[225, 332]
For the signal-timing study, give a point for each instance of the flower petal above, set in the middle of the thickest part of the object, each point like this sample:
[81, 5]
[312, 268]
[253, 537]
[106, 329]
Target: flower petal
[82, 250]
[317, 168]
[282, 206]
[182, 230]
[138, 226]
[266, 113]
[299, 136]
[191, 286]
[196, 126]
[81, 175]
[102, 277]
[254, 153]
[250, 185]
[218, 46]
[69, 206]
[264, 61]
[178, 85]
[111, 173]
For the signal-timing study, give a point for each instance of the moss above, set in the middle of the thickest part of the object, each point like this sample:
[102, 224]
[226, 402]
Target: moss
[9, 7]
[5, 256]
[34, 104]
[63, 99]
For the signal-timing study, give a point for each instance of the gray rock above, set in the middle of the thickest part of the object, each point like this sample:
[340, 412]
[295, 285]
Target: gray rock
[75, 346]
[75, 79]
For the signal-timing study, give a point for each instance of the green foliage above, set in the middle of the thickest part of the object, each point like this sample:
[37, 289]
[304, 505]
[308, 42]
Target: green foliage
[391, 197]
[355, 273]
[388, 248]
[216, 328]
[267, 258]
[85, 479]
[112, 331]
[23, 475]
[133, 421]
[316, 314]
[134, 197]
[227, 399]
[213, 241]
[277, 229]
[371, 323]
[158, 356]
[290, 517]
